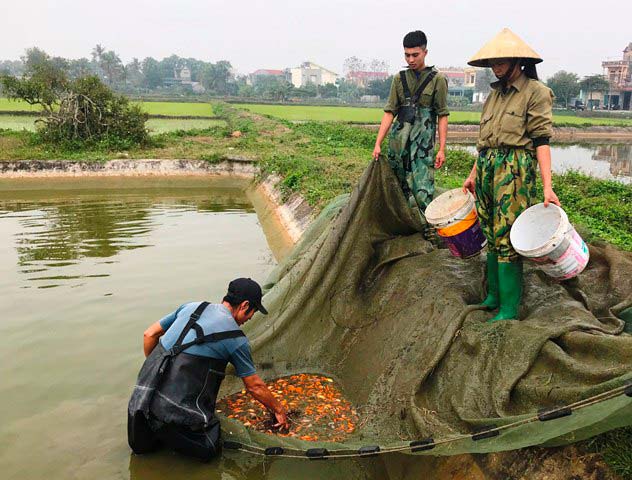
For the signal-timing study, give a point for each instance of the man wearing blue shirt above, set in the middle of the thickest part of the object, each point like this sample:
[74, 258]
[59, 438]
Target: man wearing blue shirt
[187, 351]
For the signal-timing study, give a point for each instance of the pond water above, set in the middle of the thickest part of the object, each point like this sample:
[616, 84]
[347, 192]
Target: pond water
[605, 161]
[86, 266]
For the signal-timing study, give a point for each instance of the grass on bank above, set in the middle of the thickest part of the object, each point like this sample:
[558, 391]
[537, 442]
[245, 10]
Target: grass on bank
[616, 448]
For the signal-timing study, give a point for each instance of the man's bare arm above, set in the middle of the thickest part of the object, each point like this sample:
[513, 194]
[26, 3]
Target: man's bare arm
[151, 337]
[260, 392]
[442, 127]
[387, 121]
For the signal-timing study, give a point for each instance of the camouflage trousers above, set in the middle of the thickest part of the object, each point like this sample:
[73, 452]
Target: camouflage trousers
[505, 187]
[411, 156]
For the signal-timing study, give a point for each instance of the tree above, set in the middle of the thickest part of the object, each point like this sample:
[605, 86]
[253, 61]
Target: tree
[376, 65]
[246, 90]
[353, 64]
[269, 86]
[594, 83]
[13, 67]
[112, 67]
[308, 90]
[79, 111]
[329, 90]
[152, 77]
[80, 68]
[565, 85]
[97, 51]
[483, 79]
[348, 91]
[43, 81]
[381, 88]
[134, 73]
[215, 77]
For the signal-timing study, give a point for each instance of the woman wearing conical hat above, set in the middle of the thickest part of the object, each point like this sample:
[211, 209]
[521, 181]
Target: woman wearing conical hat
[516, 125]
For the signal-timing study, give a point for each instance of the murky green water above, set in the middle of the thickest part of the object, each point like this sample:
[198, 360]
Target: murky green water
[85, 266]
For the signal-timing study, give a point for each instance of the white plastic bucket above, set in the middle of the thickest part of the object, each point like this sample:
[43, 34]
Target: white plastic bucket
[453, 214]
[544, 235]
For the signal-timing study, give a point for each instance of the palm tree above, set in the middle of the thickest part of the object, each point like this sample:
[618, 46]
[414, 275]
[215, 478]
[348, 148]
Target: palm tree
[97, 52]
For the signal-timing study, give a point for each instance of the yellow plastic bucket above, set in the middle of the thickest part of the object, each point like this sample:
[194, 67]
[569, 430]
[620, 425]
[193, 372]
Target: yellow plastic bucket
[453, 214]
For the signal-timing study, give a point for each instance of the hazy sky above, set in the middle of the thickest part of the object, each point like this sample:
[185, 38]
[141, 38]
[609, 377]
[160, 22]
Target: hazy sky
[569, 35]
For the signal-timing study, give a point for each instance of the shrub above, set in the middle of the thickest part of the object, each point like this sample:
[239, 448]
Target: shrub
[79, 113]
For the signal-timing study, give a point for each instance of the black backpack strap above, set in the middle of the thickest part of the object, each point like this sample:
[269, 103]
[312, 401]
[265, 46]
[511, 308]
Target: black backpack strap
[199, 332]
[402, 76]
[195, 316]
[210, 338]
[423, 85]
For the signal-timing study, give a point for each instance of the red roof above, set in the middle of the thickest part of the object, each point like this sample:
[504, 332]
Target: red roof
[368, 75]
[267, 71]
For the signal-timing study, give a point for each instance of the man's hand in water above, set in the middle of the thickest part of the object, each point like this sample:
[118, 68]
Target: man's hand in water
[260, 392]
[283, 423]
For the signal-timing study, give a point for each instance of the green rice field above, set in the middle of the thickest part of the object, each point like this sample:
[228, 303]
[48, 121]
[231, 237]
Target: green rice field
[374, 115]
[308, 113]
[7, 105]
[174, 109]
[155, 125]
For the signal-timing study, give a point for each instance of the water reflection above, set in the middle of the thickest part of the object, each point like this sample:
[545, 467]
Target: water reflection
[59, 228]
[53, 235]
[84, 270]
[619, 157]
[607, 162]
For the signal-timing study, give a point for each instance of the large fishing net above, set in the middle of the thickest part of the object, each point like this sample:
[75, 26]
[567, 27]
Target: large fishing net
[364, 299]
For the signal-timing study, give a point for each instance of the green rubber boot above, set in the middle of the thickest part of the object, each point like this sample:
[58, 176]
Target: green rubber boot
[491, 302]
[510, 289]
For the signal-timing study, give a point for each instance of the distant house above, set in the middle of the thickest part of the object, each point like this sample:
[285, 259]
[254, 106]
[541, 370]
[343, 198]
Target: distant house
[619, 75]
[185, 74]
[362, 79]
[182, 76]
[456, 82]
[476, 80]
[370, 98]
[311, 73]
[257, 75]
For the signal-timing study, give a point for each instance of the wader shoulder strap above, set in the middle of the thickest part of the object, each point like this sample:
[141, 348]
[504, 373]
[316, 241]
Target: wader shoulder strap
[423, 85]
[415, 98]
[195, 316]
[200, 338]
[402, 77]
[210, 338]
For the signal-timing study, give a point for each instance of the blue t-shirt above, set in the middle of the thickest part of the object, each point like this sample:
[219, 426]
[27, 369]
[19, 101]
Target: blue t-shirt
[215, 318]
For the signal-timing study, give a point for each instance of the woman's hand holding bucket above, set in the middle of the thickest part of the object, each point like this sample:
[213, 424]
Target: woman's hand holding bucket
[550, 197]
[468, 184]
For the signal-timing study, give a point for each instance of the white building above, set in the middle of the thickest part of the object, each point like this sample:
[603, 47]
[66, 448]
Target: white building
[311, 73]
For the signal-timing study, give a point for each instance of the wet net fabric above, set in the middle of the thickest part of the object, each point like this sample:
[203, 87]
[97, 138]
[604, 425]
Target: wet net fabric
[365, 299]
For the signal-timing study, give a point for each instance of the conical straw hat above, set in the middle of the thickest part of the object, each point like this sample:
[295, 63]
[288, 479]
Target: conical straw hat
[504, 45]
